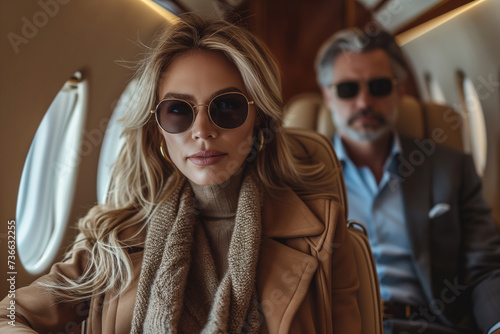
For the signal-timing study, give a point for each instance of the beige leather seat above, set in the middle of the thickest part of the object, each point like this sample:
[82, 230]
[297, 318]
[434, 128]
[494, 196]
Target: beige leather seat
[369, 299]
[310, 145]
[416, 120]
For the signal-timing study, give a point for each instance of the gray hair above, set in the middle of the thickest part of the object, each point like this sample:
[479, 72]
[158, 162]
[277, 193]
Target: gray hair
[355, 41]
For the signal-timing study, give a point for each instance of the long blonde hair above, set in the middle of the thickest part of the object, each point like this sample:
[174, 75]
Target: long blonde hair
[140, 173]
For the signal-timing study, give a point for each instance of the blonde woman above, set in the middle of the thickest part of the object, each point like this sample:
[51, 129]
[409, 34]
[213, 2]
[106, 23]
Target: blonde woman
[210, 225]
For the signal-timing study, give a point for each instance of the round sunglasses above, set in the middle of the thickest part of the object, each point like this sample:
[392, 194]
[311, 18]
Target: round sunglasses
[226, 111]
[377, 87]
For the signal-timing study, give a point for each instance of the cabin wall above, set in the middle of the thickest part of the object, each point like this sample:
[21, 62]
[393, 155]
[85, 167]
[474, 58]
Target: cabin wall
[465, 41]
[294, 31]
[43, 43]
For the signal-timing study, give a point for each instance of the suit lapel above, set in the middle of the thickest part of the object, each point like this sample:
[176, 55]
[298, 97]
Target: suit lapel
[415, 176]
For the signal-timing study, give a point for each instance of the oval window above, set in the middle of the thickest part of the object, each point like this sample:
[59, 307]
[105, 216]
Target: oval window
[476, 123]
[112, 143]
[434, 90]
[48, 178]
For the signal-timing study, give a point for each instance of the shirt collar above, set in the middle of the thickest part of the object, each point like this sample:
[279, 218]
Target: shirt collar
[344, 158]
[340, 149]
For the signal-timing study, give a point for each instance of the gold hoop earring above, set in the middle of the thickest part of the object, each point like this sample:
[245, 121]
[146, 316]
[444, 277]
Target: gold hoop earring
[260, 136]
[163, 150]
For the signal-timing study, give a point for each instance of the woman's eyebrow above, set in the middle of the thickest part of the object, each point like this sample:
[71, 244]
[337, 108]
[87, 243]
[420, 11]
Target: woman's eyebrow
[226, 90]
[178, 96]
[187, 97]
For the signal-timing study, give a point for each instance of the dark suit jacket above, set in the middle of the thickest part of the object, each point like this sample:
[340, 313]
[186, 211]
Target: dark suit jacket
[457, 253]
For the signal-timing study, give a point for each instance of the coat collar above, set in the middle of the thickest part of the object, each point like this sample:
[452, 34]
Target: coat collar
[286, 216]
[285, 270]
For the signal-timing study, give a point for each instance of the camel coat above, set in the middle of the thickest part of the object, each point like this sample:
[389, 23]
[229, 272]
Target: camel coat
[306, 279]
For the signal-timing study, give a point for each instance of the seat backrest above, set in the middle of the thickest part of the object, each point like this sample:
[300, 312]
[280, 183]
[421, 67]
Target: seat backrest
[416, 120]
[312, 146]
[369, 299]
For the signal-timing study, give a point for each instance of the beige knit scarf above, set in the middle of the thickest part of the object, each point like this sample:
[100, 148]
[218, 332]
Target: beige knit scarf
[167, 261]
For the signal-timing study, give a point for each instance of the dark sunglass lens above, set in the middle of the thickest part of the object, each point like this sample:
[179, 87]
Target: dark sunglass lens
[380, 87]
[174, 116]
[229, 111]
[347, 90]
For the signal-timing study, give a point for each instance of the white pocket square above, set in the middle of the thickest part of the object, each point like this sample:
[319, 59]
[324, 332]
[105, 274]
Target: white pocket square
[438, 210]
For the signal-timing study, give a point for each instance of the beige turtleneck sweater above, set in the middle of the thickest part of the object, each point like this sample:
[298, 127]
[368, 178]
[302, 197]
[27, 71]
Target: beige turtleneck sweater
[216, 206]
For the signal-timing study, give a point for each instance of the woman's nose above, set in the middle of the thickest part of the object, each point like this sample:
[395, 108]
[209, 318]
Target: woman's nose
[203, 128]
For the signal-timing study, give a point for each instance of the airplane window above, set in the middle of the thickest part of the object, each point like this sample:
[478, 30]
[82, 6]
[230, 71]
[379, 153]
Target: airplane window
[476, 123]
[169, 5]
[48, 178]
[112, 143]
[434, 90]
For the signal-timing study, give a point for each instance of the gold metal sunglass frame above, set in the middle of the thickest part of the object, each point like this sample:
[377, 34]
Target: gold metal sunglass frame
[195, 113]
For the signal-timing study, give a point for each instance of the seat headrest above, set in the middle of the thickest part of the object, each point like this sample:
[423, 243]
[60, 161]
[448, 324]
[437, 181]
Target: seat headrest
[415, 120]
[308, 145]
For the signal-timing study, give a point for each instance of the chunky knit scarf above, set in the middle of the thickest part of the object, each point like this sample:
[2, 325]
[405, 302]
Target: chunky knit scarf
[168, 262]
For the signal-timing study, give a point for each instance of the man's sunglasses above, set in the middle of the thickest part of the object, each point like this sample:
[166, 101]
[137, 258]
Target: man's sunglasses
[227, 111]
[378, 87]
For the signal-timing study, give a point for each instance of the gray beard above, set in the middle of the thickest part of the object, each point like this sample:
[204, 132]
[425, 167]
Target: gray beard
[357, 136]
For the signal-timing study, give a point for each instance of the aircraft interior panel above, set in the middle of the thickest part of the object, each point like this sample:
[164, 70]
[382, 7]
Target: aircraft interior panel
[46, 43]
[461, 54]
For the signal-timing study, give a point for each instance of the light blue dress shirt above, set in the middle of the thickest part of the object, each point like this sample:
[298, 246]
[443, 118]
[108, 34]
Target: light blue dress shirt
[380, 208]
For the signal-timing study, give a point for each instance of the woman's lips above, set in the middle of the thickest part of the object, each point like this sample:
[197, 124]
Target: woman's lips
[206, 158]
